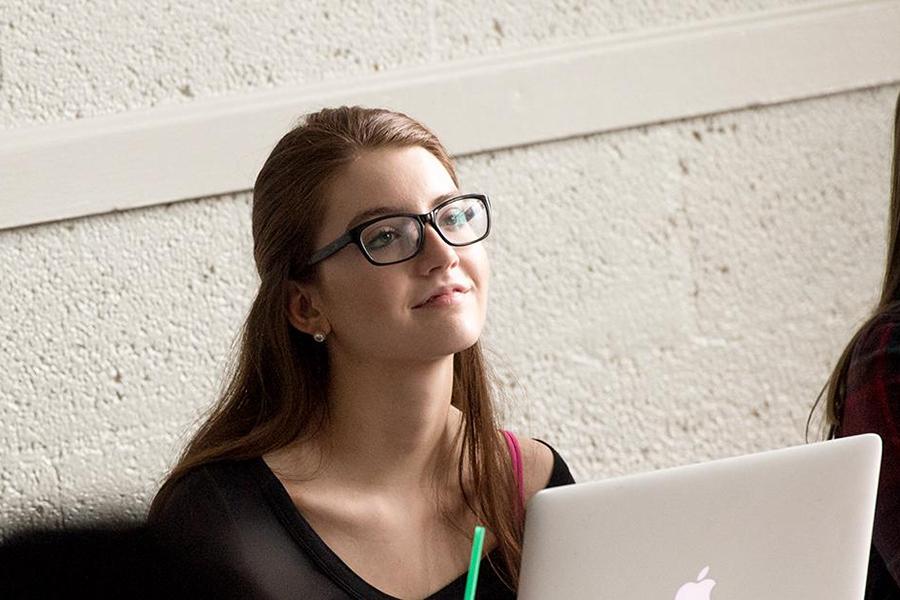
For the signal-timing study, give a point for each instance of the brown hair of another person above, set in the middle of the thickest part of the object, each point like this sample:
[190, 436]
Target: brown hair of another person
[277, 388]
[835, 389]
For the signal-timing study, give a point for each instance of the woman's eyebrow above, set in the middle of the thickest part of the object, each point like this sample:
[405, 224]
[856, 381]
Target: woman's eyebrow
[379, 210]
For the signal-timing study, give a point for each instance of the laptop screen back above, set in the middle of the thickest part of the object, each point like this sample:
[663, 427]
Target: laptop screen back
[793, 523]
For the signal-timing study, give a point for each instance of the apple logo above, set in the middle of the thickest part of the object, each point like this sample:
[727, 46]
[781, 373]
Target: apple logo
[699, 590]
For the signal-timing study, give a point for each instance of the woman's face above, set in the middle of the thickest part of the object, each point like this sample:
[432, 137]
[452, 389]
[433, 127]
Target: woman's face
[373, 312]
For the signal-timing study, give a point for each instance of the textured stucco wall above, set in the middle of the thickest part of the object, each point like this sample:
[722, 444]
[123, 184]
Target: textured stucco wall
[70, 59]
[660, 295]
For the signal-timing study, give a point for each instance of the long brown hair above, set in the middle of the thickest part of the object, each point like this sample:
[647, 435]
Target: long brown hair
[276, 391]
[835, 389]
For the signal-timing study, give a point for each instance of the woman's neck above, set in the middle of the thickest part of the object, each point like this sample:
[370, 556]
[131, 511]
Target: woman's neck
[390, 426]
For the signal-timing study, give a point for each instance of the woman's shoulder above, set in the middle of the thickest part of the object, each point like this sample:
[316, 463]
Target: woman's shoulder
[543, 466]
[879, 332]
[875, 350]
[209, 520]
[207, 494]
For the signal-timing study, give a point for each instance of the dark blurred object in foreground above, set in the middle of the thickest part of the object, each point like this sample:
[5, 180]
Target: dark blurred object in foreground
[103, 561]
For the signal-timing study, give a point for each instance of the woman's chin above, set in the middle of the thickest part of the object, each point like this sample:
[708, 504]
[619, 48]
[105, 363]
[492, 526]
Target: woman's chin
[449, 343]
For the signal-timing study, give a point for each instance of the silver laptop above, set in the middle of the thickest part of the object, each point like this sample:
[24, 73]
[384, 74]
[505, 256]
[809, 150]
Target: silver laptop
[790, 524]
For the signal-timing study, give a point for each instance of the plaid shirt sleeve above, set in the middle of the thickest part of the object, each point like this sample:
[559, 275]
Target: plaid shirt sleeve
[872, 404]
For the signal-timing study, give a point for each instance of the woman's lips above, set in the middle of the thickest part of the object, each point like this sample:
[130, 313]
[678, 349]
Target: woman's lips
[449, 299]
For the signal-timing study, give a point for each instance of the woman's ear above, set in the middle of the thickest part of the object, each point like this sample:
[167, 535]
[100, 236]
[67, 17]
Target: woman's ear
[305, 309]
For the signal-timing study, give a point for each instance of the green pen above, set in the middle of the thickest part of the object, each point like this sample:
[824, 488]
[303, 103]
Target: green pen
[474, 563]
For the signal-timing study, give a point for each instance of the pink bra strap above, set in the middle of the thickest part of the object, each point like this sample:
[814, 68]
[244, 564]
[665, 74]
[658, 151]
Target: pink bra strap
[515, 455]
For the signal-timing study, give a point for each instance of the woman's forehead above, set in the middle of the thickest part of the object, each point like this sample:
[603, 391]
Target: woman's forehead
[393, 179]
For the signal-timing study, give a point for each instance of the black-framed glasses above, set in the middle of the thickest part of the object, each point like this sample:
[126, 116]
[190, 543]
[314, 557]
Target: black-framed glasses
[387, 240]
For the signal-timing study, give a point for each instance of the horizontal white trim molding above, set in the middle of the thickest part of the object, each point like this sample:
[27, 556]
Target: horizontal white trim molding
[217, 145]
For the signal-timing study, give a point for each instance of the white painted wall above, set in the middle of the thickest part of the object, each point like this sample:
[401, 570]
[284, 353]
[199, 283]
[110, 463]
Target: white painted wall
[701, 277]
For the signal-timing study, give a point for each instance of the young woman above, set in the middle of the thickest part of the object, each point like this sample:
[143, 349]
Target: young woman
[863, 395]
[356, 447]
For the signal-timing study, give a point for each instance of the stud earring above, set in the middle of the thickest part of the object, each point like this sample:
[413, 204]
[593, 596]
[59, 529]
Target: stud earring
[319, 336]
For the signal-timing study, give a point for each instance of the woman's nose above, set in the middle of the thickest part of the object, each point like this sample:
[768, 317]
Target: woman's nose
[435, 251]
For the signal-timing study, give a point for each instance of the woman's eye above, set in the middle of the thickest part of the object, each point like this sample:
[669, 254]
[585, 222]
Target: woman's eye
[381, 238]
[458, 218]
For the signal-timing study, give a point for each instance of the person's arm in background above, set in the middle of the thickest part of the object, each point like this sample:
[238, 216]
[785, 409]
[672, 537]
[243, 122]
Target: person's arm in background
[872, 404]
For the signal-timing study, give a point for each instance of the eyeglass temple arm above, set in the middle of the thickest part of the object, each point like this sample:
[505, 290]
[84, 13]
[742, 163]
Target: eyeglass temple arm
[330, 249]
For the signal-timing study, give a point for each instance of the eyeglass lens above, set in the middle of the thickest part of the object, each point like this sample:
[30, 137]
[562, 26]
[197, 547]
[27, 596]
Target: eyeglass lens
[394, 239]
